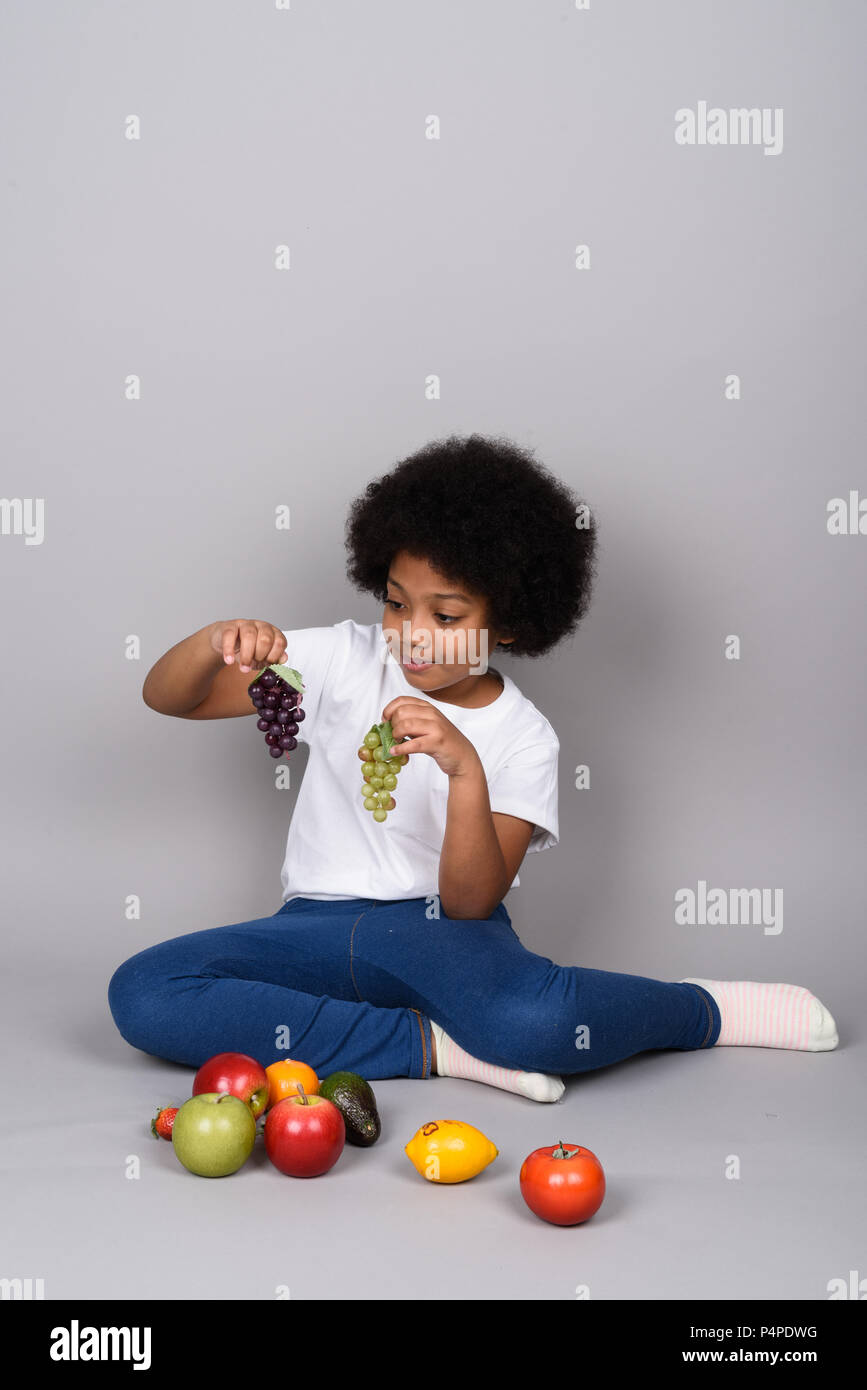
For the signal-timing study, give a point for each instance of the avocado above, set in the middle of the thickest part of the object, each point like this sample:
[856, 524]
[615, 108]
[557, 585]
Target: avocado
[357, 1104]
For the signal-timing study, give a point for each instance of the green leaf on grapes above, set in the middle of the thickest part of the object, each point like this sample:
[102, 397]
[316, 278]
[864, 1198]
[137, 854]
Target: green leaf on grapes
[386, 737]
[287, 673]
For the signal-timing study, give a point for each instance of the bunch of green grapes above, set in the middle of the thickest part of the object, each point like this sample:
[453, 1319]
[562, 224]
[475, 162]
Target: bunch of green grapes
[380, 768]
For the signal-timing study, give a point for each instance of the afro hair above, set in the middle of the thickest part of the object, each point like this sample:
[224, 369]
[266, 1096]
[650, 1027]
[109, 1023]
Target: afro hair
[484, 512]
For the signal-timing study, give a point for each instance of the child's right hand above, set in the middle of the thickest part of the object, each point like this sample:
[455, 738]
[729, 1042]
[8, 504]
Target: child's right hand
[254, 643]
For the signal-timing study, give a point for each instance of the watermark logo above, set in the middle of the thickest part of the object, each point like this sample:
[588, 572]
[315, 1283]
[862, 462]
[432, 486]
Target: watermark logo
[855, 1288]
[445, 647]
[847, 519]
[732, 907]
[21, 1289]
[77, 1343]
[282, 777]
[23, 516]
[738, 126]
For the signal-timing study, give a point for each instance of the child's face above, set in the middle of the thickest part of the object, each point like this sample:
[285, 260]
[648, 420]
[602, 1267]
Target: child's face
[433, 620]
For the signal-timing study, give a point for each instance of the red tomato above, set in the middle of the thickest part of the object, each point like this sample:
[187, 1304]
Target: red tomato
[562, 1184]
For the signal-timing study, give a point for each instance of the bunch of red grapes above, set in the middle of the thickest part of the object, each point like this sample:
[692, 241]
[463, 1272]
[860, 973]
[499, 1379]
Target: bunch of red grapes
[279, 706]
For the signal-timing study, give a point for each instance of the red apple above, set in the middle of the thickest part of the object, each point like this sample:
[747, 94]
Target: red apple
[304, 1135]
[240, 1075]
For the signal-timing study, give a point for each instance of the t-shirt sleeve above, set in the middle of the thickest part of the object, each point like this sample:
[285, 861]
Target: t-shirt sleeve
[312, 652]
[526, 786]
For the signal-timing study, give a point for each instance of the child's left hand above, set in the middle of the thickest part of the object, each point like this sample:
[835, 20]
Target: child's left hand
[430, 732]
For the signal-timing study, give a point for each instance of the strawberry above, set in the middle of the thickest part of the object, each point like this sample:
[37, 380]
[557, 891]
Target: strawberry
[161, 1125]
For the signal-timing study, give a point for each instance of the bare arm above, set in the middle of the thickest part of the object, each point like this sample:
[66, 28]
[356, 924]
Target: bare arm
[481, 849]
[194, 680]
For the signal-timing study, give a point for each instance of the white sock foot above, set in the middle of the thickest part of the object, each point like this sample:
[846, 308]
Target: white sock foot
[770, 1015]
[453, 1061]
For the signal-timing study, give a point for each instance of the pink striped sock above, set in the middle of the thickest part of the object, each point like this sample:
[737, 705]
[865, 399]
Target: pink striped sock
[453, 1061]
[770, 1015]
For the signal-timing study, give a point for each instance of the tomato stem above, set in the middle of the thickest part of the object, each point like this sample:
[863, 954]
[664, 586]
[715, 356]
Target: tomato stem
[562, 1151]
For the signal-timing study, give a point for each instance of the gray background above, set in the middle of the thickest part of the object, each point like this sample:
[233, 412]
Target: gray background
[456, 257]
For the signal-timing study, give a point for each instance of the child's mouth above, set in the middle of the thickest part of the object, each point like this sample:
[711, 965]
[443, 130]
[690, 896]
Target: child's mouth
[418, 665]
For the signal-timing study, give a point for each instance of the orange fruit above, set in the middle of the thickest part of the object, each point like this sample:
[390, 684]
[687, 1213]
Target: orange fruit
[283, 1076]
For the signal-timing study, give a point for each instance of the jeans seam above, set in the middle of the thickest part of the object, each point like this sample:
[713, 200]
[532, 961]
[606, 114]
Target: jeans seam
[709, 1015]
[423, 1043]
[361, 999]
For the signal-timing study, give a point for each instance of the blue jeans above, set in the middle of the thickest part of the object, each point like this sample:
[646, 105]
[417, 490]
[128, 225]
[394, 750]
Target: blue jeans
[353, 985]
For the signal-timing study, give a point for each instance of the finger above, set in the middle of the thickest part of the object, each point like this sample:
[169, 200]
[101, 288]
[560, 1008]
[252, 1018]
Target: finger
[249, 640]
[264, 643]
[229, 641]
[412, 722]
[405, 730]
[412, 745]
[400, 701]
[411, 716]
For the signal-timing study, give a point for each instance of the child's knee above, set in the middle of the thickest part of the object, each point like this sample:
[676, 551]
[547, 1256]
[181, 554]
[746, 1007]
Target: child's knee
[126, 998]
[534, 1032]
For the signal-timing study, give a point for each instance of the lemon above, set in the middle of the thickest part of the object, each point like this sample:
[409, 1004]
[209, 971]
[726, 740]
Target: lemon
[449, 1151]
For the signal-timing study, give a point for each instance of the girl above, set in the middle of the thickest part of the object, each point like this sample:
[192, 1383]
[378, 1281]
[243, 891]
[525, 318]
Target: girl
[392, 953]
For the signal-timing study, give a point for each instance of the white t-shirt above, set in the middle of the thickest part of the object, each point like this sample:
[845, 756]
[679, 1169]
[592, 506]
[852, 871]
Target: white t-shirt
[335, 848]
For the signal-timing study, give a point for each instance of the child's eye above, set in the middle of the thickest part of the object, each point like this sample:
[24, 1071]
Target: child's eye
[446, 617]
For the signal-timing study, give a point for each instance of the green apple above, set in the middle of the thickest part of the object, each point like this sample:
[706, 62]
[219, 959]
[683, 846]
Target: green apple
[213, 1134]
